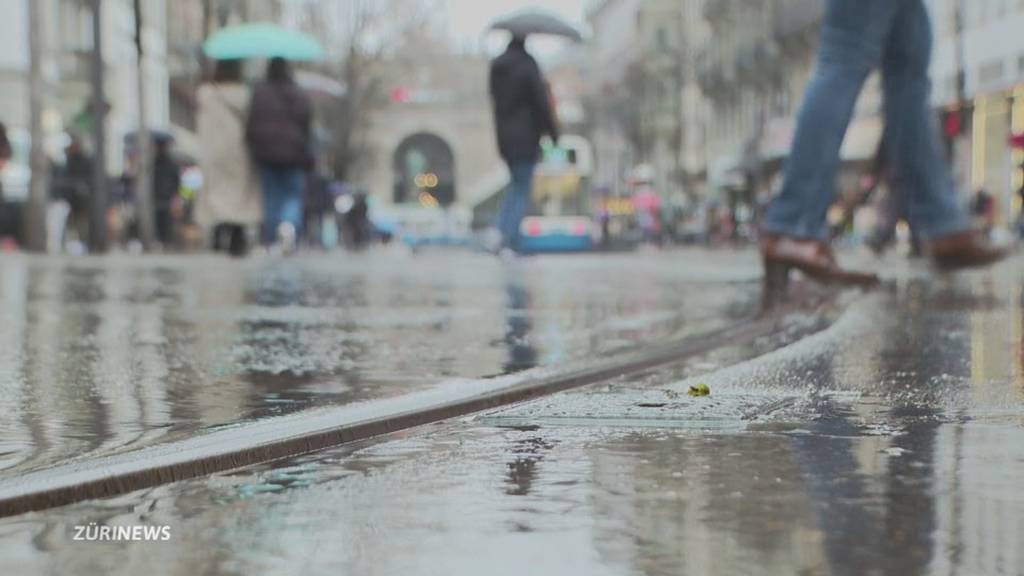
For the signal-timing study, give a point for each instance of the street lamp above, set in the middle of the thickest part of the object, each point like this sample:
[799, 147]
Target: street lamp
[34, 219]
[100, 182]
[143, 179]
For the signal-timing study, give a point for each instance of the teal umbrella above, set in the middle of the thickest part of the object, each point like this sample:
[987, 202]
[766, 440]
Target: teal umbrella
[262, 41]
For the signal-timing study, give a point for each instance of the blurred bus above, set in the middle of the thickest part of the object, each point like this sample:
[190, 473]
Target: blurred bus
[561, 216]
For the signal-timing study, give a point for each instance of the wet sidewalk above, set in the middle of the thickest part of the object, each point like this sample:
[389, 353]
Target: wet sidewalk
[103, 356]
[892, 443]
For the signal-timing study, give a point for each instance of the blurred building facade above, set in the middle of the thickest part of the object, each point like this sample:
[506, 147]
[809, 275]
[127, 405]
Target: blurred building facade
[658, 76]
[67, 66]
[640, 65]
[612, 50]
[982, 39]
[696, 118]
[755, 74]
[432, 135]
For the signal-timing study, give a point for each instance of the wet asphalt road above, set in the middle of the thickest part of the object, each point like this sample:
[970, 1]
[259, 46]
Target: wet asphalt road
[893, 443]
[100, 356]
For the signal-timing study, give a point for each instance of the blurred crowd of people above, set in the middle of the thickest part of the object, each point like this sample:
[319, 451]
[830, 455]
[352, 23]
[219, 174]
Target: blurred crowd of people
[255, 183]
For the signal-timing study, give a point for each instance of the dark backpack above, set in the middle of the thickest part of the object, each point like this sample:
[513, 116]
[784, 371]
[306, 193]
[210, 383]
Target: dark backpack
[278, 130]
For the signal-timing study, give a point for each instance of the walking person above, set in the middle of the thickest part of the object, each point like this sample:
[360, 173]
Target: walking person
[5, 150]
[166, 186]
[983, 208]
[72, 183]
[279, 135]
[523, 113]
[858, 37]
[8, 218]
[357, 222]
[230, 201]
[1017, 142]
[1020, 214]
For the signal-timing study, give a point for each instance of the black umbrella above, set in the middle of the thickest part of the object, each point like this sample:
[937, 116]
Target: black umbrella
[537, 21]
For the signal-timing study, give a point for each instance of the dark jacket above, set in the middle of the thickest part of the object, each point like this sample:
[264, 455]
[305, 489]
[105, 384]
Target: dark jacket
[279, 129]
[5, 144]
[522, 105]
[166, 181]
[5, 152]
[72, 182]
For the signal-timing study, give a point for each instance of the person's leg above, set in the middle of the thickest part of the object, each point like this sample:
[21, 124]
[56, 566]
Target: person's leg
[504, 223]
[518, 202]
[884, 230]
[272, 194]
[215, 233]
[164, 228]
[82, 225]
[920, 171]
[854, 35]
[237, 244]
[292, 208]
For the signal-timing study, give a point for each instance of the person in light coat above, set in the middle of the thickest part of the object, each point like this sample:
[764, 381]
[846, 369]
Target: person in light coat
[230, 201]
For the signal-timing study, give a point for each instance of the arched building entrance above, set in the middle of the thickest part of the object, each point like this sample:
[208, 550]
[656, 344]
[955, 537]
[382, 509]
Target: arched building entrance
[424, 170]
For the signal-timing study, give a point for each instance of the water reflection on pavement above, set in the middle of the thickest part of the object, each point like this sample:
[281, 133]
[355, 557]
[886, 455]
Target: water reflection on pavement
[104, 355]
[900, 453]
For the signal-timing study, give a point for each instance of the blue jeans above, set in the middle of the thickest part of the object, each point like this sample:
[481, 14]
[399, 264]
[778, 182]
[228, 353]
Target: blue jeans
[283, 193]
[858, 37]
[516, 204]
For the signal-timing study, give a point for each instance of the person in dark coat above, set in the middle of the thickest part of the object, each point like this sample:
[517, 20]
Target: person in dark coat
[1020, 201]
[166, 185]
[523, 113]
[72, 183]
[8, 216]
[983, 208]
[357, 222]
[5, 152]
[279, 135]
[5, 145]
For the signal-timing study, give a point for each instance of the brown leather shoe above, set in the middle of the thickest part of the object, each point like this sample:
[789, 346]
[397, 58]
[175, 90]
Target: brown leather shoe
[969, 249]
[812, 257]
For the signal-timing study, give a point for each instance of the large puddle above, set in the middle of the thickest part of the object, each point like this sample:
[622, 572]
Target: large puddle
[103, 355]
[891, 444]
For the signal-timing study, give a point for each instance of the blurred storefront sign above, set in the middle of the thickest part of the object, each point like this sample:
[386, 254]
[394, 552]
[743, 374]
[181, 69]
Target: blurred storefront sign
[405, 95]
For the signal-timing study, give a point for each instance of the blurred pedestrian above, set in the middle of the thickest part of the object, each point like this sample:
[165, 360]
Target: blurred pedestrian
[279, 135]
[357, 222]
[5, 153]
[5, 149]
[8, 217]
[166, 183]
[318, 206]
[1020, 204]
[230, 199]
[983, 208]
[72, 183]
[857, 38]
[523, 113]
